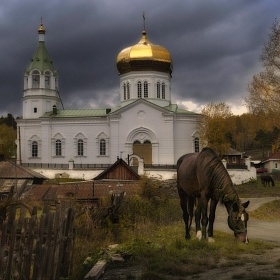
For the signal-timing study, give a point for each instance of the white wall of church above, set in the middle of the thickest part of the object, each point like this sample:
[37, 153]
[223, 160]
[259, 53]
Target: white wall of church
[141, 123]
[184, 141]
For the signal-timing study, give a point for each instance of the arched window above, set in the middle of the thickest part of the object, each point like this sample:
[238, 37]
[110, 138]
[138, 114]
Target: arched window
[124, 91]
[102, 147]
[145, 89]
[34, 149]
[58, 148]
[158, 90]
[163, 90]
[139, 89]
[80, 147]
[47, 79]
[196, 145]
[35, 79]
[128, 90]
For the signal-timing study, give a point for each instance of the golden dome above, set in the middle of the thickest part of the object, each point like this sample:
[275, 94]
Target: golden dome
[41, 29]
[144, 56]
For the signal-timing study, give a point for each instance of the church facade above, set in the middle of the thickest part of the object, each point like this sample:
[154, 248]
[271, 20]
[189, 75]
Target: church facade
[145, 123]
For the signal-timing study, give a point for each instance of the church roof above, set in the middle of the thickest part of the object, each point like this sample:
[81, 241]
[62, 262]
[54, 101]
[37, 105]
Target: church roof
[41, 59]
[77, 113]
[144, 56]
[85, 113]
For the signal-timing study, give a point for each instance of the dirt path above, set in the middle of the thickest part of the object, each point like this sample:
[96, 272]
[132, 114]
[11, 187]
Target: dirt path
[262, 267]
[268, 231]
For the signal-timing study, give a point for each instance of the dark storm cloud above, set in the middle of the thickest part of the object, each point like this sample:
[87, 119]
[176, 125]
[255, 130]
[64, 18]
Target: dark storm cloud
[215, 46]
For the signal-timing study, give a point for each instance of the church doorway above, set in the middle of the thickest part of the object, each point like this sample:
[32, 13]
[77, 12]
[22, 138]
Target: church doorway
[143, 150]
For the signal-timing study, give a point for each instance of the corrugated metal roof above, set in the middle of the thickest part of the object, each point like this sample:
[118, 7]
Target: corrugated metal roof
[77, 113]
[9, 169]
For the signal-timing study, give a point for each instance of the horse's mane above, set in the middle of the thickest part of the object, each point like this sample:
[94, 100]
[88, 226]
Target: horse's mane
[220, 181]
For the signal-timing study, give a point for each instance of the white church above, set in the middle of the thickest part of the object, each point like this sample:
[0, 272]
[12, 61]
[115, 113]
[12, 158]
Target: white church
[144, 125]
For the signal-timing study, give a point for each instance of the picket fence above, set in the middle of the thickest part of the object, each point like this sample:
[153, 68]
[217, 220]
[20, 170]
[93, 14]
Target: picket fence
[37, 247]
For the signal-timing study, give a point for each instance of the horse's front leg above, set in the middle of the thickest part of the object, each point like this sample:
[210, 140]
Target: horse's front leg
[213, 206]
[204, 215]
[198, 220]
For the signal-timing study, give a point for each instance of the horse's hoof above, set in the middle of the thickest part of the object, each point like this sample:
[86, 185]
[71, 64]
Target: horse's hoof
[199, 235]
[211, 240]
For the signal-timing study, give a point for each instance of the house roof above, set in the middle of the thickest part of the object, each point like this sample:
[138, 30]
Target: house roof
[233, 152]
[120, 170]
[274, 156]
[10, 170]
[53, 192]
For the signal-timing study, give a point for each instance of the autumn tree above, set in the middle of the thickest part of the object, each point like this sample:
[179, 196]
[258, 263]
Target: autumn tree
[7, 141]
[214, 128]
[264, 89]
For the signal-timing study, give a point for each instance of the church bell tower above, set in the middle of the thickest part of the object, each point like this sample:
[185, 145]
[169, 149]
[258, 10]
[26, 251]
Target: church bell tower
[40, 92]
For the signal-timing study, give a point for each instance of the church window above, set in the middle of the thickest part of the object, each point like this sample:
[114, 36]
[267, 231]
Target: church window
[158, 90]
[35, 110]
[145, 89]
[139, 89]
[35, 79]
[196, 145]
[128, 90]
[163, 90]
[58, 148]
[47, 79]
[136, 142]
[80, 147]
[34, 149]
[124, 91]
[102, 147]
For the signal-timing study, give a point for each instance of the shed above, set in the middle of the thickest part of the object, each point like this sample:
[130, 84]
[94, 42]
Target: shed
[16, 178]
[115, 179]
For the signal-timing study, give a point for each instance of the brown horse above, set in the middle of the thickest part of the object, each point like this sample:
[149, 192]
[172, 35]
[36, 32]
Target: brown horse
[202, 177]
[266, 180]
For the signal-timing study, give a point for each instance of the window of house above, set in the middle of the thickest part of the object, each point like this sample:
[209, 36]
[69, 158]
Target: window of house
[34, 149]
[58, 148]
[196, 145]
[233, 159]
[124, 91]
[47, 79]
[276, 165]
[35, 110]
[145, 89]
[128, 90]
[80, 147]
[102, 147]
[158, 90]
[35, 79]
[139, 90]
[163, 90]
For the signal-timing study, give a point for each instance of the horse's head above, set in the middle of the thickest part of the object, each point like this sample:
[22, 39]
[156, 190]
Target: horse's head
[237, 221]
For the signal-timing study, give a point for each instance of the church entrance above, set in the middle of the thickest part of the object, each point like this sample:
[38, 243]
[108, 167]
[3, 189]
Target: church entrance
[143, 151]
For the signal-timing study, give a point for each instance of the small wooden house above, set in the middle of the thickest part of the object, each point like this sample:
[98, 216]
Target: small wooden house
[272, 163]
[115, 179]
[15, 178]
[234, 159]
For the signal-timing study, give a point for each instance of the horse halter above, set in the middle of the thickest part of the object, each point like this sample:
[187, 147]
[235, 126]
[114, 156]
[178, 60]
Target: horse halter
[232, 222]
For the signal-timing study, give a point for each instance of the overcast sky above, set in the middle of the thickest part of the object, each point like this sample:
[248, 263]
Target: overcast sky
[215, 46]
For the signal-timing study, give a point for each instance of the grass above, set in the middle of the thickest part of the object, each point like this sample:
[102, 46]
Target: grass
[255, 188]
[267, 212]
[150, 237]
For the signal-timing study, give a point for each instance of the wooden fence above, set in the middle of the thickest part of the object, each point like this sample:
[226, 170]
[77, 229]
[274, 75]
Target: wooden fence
[37, 248]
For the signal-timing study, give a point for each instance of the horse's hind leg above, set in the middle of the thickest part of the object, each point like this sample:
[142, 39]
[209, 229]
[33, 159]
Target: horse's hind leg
[213, 205]
[185, 208]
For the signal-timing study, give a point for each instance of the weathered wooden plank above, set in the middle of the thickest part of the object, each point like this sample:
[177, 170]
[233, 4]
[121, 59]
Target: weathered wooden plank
[96, 271]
